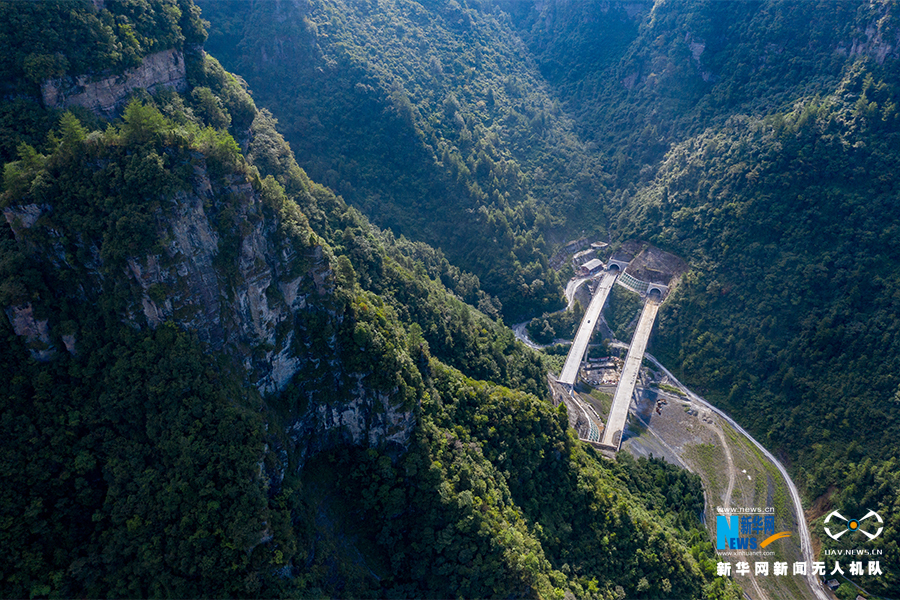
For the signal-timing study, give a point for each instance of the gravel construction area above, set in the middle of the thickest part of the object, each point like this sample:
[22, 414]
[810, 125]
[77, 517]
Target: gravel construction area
[733, 471]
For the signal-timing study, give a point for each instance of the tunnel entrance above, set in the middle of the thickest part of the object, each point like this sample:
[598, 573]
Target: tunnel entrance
[655, 294]
[613, 267]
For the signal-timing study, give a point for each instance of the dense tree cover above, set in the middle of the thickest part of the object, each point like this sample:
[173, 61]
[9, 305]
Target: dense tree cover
[132, 470]
[136, 534]
[790, 310]
[866, 486]
[152, 155]
[136, 463]
[621, 311]
[782, 200]
[638, 82]
[143, 458]
[60, 38]
[131, 494]
[56, 38]
[775, 180]
[22, 121]
[756, 139]
[144, 464]
[640, 77]
[550, 326]
[411, 277]
[488, 504]
[413, 111]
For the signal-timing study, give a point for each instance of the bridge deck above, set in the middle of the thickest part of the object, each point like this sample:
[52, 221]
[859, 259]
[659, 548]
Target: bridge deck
[618, 412]
[585, 329]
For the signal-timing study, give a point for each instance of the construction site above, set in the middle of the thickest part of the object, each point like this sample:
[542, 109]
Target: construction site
[623, 267]
[627, 400]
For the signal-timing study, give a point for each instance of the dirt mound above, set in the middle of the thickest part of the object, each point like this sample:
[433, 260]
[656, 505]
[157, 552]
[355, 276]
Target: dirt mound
[628, 250]
[656, 266]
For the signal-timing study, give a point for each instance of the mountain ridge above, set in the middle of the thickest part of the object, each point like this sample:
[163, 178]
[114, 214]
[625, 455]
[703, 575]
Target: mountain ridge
[726, 133]
[233, 329]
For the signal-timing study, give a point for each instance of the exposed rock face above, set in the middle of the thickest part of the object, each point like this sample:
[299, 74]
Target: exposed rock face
[227, 272]
[878, 44]
[22, 217]
[103, 96]
[69, 342]
[250, 311]
[369, 419]
[697, 48]
[36, 333]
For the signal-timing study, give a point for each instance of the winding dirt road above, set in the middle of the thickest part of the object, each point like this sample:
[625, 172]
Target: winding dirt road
[805, 539]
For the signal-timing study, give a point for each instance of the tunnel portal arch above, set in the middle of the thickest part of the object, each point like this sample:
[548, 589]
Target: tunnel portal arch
[657, 291]
[616, 265]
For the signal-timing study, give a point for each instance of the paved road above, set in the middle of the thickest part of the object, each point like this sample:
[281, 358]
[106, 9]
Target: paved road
[618, 412]
[522, 334]
[585, 329]
[805, 540]
[572, 287]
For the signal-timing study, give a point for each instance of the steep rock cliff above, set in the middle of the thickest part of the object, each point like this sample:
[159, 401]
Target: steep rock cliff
[247, 306]
[104, 95]
[232, 260]
[36, 332]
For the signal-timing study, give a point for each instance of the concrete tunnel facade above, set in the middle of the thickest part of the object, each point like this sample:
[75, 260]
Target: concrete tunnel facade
[657, 291]
[616, 265]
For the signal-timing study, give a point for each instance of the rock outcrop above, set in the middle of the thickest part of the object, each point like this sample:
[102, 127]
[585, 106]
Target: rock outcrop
[21, 218]
[246, 307]
[36, 332]
[225, 270]
[370, 419]
[105, 95]
[878, 44]
[219, 257]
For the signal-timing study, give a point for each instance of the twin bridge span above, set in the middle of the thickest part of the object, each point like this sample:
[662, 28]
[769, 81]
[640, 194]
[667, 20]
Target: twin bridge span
[618, 412]
[611, 440]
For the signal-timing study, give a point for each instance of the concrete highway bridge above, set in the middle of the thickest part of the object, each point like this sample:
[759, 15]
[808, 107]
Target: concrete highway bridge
[591, 316]
[618, 412]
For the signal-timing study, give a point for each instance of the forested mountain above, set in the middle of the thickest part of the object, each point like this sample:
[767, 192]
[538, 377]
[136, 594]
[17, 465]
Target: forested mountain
[641, 76]
[777, 134]
[432, 120]
[756, 139]
[793, 314]
[246, 364]
[224, 381]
